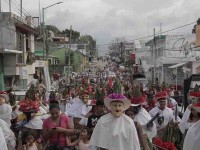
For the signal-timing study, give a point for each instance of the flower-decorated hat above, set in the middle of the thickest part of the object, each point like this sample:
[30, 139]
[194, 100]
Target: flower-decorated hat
[137, 97]
[161, 96]
[92, 102]
[117, 98]
[194, 95]
[196, 106]
[136, 101]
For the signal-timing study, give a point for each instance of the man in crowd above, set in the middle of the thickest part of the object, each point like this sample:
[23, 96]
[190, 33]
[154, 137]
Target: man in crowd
[98, 112]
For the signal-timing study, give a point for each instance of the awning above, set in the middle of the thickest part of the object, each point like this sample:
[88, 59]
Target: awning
[26, 28]
[12, 51]
[177, 65]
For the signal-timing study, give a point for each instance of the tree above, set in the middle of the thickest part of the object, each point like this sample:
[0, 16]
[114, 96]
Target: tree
[75, 34]
[91, 43]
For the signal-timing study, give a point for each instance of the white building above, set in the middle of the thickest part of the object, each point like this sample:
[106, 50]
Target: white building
[169, 50]
[16, 51]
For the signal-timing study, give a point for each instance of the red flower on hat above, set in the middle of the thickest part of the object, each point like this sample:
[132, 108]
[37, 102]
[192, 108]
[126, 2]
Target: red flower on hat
[138, 100]
[161, 95]
[196, 105]
[195, 94]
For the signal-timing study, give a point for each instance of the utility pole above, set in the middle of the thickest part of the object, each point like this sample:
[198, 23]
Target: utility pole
[69, 52]
[154, 55]
[0, 5]
[121, 47]
[10, 6]
[43, 32]
[21, 8]
[40, 17]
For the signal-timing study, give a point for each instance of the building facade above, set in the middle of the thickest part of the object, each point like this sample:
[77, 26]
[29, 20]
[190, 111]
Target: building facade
[16, 51]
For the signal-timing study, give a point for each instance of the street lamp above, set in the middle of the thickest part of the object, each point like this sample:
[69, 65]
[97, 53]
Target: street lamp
[44, 38]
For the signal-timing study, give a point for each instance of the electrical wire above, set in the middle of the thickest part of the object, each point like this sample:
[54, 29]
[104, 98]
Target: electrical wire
[145, 37]
[16, 7]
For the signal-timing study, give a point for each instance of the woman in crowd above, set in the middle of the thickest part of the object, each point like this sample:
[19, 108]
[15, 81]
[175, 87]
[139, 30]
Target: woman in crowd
[56, 127]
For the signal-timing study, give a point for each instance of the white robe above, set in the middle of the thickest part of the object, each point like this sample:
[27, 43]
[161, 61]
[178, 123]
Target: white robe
[167, 113]
[192, 138]
[115, 133]
[3, 144]
[8, 134]
[37, 121]
[183, 125]
[143, 117]
[6, 113]
[78, 109]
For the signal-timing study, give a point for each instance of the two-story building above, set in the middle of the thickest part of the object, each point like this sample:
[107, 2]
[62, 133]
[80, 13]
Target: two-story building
[16, 51]
[167, 51]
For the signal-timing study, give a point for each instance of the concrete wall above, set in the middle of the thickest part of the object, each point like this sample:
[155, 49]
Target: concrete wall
[7, 32]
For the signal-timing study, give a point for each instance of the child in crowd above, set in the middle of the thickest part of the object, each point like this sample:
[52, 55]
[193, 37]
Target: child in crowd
[85, 138]
[83, 142]
[28, 142]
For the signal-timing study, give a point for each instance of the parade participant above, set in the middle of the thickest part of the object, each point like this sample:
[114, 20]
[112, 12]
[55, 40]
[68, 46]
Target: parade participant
[3, 144]
[5, 109]
[129, 112]
[166, 114]
[8, 135]
[115, 130]
[192, 138]
[79, 109]
[56, 127]
[98, 112]
[150, 102]
[190, 116]
[143, 117]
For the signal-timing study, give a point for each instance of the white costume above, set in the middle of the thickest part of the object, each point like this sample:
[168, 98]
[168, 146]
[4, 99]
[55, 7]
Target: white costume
[37, 121]
[167, 113]
[78, 109]
[3, 144]
[115, 133]
[8, 134]
[143, 117]
[192, 138]
[5, 113]
[184, 125]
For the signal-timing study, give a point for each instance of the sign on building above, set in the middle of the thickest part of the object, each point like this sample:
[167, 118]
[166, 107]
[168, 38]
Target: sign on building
[66, 69]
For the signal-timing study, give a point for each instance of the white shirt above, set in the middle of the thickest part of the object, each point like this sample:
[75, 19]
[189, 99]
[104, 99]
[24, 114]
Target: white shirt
[167, 113]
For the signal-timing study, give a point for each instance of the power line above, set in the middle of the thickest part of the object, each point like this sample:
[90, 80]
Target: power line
[145, 37]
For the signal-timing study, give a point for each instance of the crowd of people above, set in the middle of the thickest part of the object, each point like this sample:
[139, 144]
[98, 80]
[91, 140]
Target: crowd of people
[106, 114]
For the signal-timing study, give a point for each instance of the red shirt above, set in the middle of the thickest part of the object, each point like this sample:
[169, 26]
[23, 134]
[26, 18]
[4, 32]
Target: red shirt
[47, 124]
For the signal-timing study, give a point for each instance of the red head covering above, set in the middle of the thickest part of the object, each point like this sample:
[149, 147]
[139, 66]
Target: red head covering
[161, 96]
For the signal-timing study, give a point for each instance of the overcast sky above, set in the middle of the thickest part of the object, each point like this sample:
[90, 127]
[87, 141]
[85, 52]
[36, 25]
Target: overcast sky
[106, 20]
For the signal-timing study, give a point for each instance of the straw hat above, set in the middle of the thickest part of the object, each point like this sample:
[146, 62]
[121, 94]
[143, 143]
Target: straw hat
[117, 98]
